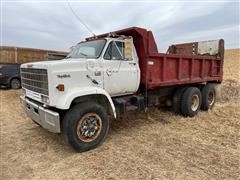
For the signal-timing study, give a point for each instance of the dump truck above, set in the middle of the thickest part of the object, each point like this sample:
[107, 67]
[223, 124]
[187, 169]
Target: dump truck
[105, 76]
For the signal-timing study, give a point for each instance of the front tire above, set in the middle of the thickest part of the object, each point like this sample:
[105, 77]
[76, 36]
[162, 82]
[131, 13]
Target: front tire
[85, 126]
[191, 102]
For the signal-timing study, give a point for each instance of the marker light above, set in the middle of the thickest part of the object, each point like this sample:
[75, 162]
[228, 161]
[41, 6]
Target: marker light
[60, 87]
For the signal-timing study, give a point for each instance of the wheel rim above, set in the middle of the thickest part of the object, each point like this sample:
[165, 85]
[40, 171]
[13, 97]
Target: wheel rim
[195, 102]
[89, 127]
[15, 83]
[211, 98]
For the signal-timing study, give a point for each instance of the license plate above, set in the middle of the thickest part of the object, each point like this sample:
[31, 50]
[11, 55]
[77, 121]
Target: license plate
[33, 95]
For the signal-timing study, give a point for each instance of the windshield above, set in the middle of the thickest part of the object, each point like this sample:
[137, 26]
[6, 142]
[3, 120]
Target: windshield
[88, 49]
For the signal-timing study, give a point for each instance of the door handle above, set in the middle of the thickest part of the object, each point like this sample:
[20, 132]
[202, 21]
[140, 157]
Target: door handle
[133, 63]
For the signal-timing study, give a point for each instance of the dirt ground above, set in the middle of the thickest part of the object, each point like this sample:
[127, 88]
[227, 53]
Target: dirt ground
[153, 145]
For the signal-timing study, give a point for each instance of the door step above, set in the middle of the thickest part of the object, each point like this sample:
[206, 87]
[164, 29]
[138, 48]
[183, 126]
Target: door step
[131, 108]
[129, 103]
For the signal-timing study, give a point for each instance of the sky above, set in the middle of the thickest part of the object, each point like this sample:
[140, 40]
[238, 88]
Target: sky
[52, 25]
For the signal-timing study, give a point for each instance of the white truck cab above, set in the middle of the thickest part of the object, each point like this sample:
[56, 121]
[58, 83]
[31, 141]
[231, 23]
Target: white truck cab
[74, 95]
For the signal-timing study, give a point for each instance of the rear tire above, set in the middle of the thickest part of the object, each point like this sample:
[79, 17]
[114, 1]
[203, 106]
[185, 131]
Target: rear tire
[177, 100]
[191, 102]
[15, 83]
[208, 97]
[85, 126]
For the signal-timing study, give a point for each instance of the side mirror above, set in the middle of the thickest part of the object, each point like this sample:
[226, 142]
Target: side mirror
[128, 48]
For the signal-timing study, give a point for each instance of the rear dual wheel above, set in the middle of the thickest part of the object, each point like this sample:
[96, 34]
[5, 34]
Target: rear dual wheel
[177, 100]
[191, 101]
[208, 97]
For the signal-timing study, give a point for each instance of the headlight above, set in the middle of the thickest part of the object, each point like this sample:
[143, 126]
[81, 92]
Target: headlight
[44, 99]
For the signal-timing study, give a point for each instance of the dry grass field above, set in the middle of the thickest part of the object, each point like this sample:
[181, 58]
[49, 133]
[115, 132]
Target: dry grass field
[152, 145]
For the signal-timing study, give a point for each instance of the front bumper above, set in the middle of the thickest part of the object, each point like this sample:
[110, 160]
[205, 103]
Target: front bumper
[48, 119]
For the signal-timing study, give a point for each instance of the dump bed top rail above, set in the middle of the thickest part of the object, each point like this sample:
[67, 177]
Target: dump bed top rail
[213, 48]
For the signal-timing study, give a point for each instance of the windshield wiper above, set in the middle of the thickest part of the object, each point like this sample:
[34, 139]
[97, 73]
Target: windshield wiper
[83, 54]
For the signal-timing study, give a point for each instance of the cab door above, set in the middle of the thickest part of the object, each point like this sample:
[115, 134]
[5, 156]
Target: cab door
[94, 72]
[121, 74]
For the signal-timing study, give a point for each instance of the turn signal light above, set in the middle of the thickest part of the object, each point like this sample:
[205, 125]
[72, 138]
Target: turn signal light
[60, 87]
[44, 99]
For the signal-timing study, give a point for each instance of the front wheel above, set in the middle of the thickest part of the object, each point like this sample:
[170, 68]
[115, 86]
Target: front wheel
[85, 126]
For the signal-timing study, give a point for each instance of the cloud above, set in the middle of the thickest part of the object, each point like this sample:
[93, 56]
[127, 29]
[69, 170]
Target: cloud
[225, 32]
[52, 25]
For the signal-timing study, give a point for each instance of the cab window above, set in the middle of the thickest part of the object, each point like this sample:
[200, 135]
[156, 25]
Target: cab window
[115, 51]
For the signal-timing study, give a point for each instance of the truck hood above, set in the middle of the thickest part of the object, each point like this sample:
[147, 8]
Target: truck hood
[72, 73]
[55, 63]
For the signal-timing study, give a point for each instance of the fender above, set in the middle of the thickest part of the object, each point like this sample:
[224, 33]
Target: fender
[64, 102]
[13, 77]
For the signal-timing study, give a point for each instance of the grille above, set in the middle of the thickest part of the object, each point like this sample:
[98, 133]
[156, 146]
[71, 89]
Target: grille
[35, 80]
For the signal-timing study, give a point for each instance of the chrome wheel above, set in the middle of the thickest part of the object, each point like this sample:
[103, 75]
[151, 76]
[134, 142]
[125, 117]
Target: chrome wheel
[89, 127]
[195, 102]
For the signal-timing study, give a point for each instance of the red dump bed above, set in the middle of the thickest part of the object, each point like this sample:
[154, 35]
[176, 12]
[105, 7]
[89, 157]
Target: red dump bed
[182, 64]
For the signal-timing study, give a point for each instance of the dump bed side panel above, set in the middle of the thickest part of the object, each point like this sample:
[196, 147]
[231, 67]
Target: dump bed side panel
[167, 70]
